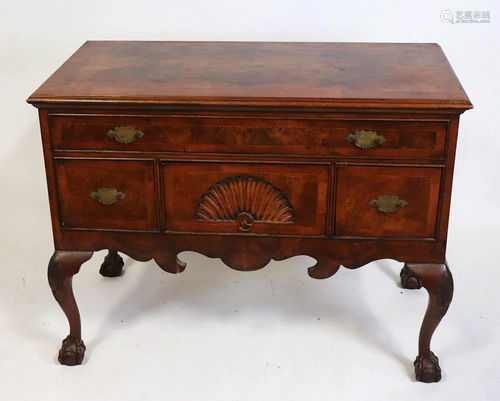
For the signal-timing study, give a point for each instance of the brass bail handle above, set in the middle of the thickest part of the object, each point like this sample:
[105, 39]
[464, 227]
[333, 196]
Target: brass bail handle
[125, 134]
[107, 196]
[365, 139]
[388, 203]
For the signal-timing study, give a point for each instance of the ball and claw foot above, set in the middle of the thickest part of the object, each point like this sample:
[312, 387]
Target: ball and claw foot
[72, 352]
[427, 369]
[408, 281]
[112, 265]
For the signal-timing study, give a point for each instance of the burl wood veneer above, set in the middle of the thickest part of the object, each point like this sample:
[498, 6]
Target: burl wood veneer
[250, 152]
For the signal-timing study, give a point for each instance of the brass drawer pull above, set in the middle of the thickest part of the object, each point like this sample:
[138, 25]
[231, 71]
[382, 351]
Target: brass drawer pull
[124, 134]
[245, 221]
[107, 196]
[365, 139]
[245, 226]
[388, 203]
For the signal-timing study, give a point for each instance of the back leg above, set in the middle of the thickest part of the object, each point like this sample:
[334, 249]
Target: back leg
[409, 281]
[112, 265]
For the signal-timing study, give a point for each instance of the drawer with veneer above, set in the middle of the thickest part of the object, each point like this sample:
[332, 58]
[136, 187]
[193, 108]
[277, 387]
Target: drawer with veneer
[107, 194]
[246, 199]
[293, 136]
[387, 202]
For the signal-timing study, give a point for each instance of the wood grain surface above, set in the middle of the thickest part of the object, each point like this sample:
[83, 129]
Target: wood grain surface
[397, 75]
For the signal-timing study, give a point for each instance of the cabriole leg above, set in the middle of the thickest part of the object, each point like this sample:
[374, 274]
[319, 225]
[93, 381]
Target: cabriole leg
[438, 282]
[62, 267]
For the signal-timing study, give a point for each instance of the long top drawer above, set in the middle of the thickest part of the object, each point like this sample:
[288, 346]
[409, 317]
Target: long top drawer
[330, 137]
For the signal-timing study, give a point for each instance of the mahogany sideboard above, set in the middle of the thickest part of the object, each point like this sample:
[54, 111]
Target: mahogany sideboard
[249, 152]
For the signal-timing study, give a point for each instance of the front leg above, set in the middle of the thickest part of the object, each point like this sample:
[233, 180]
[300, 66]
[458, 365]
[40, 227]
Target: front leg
[62, 267]
[438, 282]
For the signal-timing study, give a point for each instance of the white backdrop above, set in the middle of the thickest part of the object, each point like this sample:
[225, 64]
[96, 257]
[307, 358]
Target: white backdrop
[37, 36]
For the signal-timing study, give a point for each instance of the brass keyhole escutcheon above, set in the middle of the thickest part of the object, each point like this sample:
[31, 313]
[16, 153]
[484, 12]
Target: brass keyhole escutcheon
[245, 221]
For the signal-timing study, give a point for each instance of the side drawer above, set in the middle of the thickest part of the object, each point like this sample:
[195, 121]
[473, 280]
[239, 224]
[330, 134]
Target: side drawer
[107, 194]
[245, 198]
[387, 202]
[332, 137]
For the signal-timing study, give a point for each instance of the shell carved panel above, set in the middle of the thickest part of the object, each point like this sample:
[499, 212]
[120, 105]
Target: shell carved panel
[230, 197]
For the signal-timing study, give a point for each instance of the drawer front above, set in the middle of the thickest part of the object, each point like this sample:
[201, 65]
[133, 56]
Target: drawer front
[387, 202]
[104, 194]
[246, 199]
[363, 138]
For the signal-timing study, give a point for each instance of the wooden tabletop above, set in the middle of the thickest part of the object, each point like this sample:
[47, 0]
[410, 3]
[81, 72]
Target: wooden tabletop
[369, 75]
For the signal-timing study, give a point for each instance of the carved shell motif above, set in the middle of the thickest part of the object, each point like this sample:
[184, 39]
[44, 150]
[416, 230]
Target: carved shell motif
[230, 197]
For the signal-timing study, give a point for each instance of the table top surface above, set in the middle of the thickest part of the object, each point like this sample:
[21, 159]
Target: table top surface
[368, 75]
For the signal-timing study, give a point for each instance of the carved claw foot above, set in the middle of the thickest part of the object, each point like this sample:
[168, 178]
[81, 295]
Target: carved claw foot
[72, 352]
[427, 368]
[408, 281]
[112, 265]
